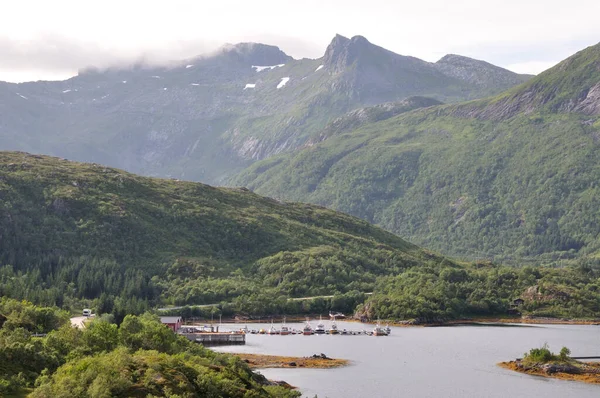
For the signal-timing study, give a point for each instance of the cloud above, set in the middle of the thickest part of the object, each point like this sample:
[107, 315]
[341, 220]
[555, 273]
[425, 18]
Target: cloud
[52, 57]
[66, 35]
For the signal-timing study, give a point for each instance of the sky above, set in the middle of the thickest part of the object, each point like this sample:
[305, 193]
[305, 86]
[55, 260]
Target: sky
[50, 40]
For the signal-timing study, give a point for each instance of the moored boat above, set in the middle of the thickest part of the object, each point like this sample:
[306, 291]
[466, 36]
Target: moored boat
[334, 328]
[307, 330]
[272, 329]
[320, 329]
[284, 329]
[379, 331]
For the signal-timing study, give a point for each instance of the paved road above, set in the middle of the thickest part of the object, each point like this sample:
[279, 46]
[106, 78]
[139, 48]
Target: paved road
[217, 304]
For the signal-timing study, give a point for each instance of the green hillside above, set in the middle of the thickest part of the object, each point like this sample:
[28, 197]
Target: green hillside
[73, 231]
[512, 177]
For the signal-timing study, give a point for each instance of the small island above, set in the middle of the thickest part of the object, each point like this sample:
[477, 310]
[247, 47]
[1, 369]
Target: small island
[543, 362]
[317, 361]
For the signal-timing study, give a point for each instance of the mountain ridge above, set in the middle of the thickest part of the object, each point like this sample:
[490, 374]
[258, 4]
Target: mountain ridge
[207, 118]
[510, 177]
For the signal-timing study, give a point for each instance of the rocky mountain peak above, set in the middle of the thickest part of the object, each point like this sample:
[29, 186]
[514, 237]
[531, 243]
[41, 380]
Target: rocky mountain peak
[343, 52]
[255, 53]
[459, 61]
[480, 73]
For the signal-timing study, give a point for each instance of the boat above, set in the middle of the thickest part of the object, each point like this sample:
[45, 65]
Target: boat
[272, 329]
[379, 331]
[245, 329]
[334, 328]
[320, 329]
[388, 330]
[284, 329]
[307, 330]
[262, 331]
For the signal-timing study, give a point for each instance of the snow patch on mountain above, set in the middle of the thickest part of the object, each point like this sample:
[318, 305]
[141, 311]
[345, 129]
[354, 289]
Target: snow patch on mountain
[189, 66]
[271, 67]
[194, 84]
[283, 82]
[250, 85]
[66, 91]
[319, 68]
[22, 96]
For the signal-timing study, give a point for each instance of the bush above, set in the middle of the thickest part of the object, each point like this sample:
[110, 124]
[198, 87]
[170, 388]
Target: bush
[565, 354]
[542, 354]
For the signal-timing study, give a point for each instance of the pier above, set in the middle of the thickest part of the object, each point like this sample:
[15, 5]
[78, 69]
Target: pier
[213, 339]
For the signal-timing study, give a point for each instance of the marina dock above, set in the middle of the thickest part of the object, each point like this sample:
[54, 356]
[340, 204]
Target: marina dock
[213, 339]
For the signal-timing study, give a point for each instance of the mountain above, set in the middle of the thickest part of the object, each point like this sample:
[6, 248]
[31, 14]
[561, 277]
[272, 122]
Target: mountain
[479, 73]
[84, 231]
[512, 176]
[206, 118]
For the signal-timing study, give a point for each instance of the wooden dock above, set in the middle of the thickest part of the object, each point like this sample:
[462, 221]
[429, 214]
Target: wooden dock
[212, 339]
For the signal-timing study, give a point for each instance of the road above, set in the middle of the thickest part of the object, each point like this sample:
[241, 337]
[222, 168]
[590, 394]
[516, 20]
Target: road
[78, 321]
[217, 304]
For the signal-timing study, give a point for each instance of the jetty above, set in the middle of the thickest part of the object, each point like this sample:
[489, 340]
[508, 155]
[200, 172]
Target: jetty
[215, 339]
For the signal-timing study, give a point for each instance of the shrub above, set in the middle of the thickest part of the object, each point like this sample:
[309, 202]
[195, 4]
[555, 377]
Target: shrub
[542, 354]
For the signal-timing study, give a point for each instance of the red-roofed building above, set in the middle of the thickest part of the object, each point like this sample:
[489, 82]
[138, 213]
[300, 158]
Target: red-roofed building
[172, 322]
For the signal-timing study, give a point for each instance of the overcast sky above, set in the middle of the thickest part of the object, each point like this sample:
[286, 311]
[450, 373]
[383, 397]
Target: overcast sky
[52, 39]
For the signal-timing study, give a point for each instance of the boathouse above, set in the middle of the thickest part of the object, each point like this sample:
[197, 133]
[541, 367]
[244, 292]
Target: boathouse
[172, 322]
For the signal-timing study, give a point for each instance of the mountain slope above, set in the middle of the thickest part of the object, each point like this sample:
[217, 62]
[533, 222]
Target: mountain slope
[512, 176]
[90, 231]
[206, 118]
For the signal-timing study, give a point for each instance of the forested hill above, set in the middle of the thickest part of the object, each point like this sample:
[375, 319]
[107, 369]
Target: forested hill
[512, 177]
[72, 231]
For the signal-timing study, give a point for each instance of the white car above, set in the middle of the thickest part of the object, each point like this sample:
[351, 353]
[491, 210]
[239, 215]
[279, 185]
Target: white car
[87, 312]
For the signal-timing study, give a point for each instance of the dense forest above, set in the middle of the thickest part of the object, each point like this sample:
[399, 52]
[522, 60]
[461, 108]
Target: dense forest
[449, 291]
[79, 235]
[140, 357]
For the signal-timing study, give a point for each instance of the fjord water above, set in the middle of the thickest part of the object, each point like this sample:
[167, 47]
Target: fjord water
[457, 361]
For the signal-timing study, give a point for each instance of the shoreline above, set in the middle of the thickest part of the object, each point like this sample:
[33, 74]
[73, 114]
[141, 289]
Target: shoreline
[590, 377]
[262, 361]
[417, 323]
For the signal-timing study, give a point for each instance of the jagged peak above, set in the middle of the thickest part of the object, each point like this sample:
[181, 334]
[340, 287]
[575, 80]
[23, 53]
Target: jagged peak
[255, 53]
[342, 51]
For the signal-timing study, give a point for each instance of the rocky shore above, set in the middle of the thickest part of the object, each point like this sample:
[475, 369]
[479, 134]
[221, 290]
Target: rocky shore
[587, 372]
[316, 361]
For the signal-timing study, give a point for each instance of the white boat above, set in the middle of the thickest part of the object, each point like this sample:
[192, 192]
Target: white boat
[284, 329]
[333, 329]
[320, 329]
[379, 331]
[307, 330]
[272, 329]
[388, 330]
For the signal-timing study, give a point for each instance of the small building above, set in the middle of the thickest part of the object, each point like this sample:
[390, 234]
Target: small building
[172, 322]
[518, 302]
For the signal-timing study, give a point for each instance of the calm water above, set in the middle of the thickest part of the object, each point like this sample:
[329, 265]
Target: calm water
[428, 362]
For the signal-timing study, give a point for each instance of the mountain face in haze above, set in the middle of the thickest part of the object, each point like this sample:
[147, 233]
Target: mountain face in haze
[513, 176]
[479, 73]
[206, 118]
